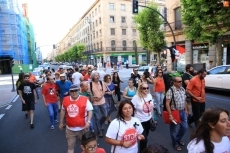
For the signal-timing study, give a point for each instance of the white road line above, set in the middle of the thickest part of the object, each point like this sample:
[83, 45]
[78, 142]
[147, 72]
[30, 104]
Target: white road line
[8, 107]
[1, 115]
[15, 98]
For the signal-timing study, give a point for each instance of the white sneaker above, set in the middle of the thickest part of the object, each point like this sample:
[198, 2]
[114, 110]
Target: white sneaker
[52, 127]
[56, 121]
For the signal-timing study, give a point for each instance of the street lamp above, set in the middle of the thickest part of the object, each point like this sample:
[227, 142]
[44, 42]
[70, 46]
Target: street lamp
[91, 42]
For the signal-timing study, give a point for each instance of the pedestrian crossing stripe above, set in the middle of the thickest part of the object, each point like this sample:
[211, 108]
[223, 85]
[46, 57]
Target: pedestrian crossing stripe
[8, 107]
[1, 115]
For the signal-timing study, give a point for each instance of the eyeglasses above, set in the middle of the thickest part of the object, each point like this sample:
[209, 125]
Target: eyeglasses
[91, 148]
[178, 81]
[145, 88]
[73, 90]
[135, 70]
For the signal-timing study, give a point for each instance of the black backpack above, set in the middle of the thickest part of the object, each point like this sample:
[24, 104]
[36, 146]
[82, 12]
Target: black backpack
[164, 100]
[91, 88]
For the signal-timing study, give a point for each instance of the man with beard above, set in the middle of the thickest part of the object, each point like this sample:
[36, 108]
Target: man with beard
[187, 76]
[136, 77]
[196, 89]
[27, 94]
[63, 86]
[50, 99]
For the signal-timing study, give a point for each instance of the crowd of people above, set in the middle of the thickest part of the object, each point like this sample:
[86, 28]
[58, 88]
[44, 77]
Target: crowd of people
[86, 98]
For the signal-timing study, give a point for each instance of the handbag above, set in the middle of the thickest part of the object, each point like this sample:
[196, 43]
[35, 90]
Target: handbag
[175, 113]
[114, 96]
[152, 125]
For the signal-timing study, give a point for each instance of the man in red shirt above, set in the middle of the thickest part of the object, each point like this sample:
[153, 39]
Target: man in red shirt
[87, 75]
[50, 99]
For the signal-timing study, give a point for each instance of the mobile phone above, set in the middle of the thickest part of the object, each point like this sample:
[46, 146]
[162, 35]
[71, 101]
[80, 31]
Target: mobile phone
[174, 122]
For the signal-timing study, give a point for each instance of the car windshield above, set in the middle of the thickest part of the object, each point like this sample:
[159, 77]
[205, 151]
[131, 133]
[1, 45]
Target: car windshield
[36, 73]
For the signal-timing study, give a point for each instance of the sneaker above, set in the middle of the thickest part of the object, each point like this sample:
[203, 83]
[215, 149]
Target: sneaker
[52, 127]
[31, 126]
[55, 121]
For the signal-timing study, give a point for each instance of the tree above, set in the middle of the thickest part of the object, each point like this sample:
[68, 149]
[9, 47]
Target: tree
[81, 49]
[148, 25]
[206, 21]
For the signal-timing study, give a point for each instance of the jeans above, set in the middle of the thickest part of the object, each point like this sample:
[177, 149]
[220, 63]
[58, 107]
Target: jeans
[159, 96]
[36, 89]
[100, 114]
[52, 110]
[177, 135]
[197, 111]
[146, 127]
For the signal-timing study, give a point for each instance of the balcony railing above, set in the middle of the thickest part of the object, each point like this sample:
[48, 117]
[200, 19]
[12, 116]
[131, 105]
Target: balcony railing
[178, 25]
[114, 49]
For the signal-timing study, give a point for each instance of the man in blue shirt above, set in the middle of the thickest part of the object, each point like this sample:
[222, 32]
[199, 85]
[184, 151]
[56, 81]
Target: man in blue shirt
[63, 86]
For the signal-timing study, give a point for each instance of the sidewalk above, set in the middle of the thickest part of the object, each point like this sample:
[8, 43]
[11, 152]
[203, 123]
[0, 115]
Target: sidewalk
[6, 95]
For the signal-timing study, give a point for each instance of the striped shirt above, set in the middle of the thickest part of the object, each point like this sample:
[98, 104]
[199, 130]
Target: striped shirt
[179, 97]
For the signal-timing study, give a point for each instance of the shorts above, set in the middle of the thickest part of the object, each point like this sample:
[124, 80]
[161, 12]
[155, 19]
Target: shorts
[188, 100]
[72, 137]
[28, 106]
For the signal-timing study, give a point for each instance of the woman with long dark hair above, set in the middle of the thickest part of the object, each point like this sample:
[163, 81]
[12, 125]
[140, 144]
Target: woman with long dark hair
[18, 83]
[145, 78]
[210, 134]
[124, 131]
[116, 80]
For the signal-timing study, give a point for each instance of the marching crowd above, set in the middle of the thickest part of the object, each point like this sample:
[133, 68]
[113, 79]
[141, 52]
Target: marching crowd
[86, 98]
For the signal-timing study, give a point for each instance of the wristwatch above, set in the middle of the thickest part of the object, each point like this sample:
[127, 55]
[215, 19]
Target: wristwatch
[89, 122]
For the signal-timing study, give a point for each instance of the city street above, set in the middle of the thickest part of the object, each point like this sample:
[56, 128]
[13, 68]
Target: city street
[16, 135]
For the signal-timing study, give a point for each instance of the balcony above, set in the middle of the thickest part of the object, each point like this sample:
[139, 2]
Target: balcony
[120, 49]
[177, 27]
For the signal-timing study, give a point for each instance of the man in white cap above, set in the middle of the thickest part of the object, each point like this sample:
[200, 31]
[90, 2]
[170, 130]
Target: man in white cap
[74, 109]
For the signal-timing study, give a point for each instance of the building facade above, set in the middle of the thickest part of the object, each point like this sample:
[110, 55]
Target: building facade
[196, 53]
[108, 31]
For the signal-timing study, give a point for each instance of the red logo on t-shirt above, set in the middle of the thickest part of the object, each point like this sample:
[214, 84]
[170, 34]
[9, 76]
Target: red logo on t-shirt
[147, 107]
[72, 110]
[130, 135]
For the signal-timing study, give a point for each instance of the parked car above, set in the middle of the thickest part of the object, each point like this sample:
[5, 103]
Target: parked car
[218, 78]
[150, 69]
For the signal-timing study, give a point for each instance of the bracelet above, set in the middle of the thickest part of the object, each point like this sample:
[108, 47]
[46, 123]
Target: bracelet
[121, 143]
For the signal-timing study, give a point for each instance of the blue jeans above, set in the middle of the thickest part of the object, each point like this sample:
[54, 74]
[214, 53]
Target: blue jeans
[177, 135]
[159, 96]
[100, 114]
[52, 110]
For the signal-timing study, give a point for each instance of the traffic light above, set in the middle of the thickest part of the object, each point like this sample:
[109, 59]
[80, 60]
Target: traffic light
[135, 6]
[11, 62]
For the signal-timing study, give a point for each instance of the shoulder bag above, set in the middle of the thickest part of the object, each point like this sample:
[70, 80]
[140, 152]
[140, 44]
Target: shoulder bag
[152, 125]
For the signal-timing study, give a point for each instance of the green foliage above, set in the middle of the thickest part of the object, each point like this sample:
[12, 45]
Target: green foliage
[75, 53]
[175, 74]
[148, 25]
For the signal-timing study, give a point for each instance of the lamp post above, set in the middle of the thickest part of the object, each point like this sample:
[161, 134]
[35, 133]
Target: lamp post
[91, 39]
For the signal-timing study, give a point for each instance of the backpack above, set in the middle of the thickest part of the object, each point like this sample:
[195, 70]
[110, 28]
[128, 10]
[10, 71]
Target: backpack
[164, 100]
[91, 88]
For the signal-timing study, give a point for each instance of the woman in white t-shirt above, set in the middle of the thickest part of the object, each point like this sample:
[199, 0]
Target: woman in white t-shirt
[210, 134]
[124, 131]
[143, 104]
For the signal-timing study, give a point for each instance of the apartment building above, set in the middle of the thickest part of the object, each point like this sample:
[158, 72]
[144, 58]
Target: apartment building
[195, 52]
[108, 31]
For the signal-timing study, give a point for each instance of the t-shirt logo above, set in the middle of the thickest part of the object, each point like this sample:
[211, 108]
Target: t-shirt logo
[147, 107]
[72, 110]
[27, 90]
[51, 91]
[130, 135]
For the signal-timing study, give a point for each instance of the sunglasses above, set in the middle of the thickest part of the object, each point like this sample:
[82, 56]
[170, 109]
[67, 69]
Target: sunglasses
[73, 90]
[178, 81]
[145, 88]
[135, 70]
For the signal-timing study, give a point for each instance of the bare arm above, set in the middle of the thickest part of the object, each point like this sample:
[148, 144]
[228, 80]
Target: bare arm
[44, 100]
[125, 93]
[186, 82]
[35, 96]
[125, 144]
[20, 95]
[90, 114]
[62, 115]
[191, 94]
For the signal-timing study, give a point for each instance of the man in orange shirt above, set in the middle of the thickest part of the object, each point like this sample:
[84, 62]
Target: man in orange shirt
[33, 80]
[50, 99]
[196, 89]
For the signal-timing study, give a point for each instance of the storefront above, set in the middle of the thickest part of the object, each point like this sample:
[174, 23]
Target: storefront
[200, 53]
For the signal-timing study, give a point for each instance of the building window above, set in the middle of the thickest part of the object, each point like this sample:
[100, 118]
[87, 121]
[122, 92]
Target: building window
[111, 6]
[95, 12]
[100, 33]
[112, 20]
[93, 25]
[123, 20]
[93, 35]
[99, 8]
[97, 34]
[178, 23]
[113, 45]
[92, 14]
[96, 23]
[123, 31]
[101, 44]
[134, 32]
[122, 7]
[100, 20]
[133, 21]
[97, 45]
[112, 31]
[124, 45]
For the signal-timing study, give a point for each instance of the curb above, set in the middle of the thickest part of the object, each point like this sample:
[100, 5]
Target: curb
[9, 101]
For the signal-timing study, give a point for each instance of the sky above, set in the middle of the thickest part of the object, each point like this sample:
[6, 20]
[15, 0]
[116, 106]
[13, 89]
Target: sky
[52, 19]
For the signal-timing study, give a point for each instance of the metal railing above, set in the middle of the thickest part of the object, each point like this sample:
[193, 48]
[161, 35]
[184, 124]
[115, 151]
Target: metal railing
[114, 49]
[178, 25]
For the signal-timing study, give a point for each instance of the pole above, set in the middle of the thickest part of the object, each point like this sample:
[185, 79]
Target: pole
[12, 76]
[174, 39]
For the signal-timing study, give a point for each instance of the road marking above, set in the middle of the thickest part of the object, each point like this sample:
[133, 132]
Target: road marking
[15, 98]
[1, 115]
[218, 98]
[8, 107]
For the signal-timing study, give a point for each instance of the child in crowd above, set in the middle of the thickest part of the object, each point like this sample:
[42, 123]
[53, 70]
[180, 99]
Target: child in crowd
[89, 143]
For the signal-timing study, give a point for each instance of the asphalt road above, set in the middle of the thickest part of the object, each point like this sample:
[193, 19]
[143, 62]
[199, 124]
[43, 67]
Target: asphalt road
[17, 137]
